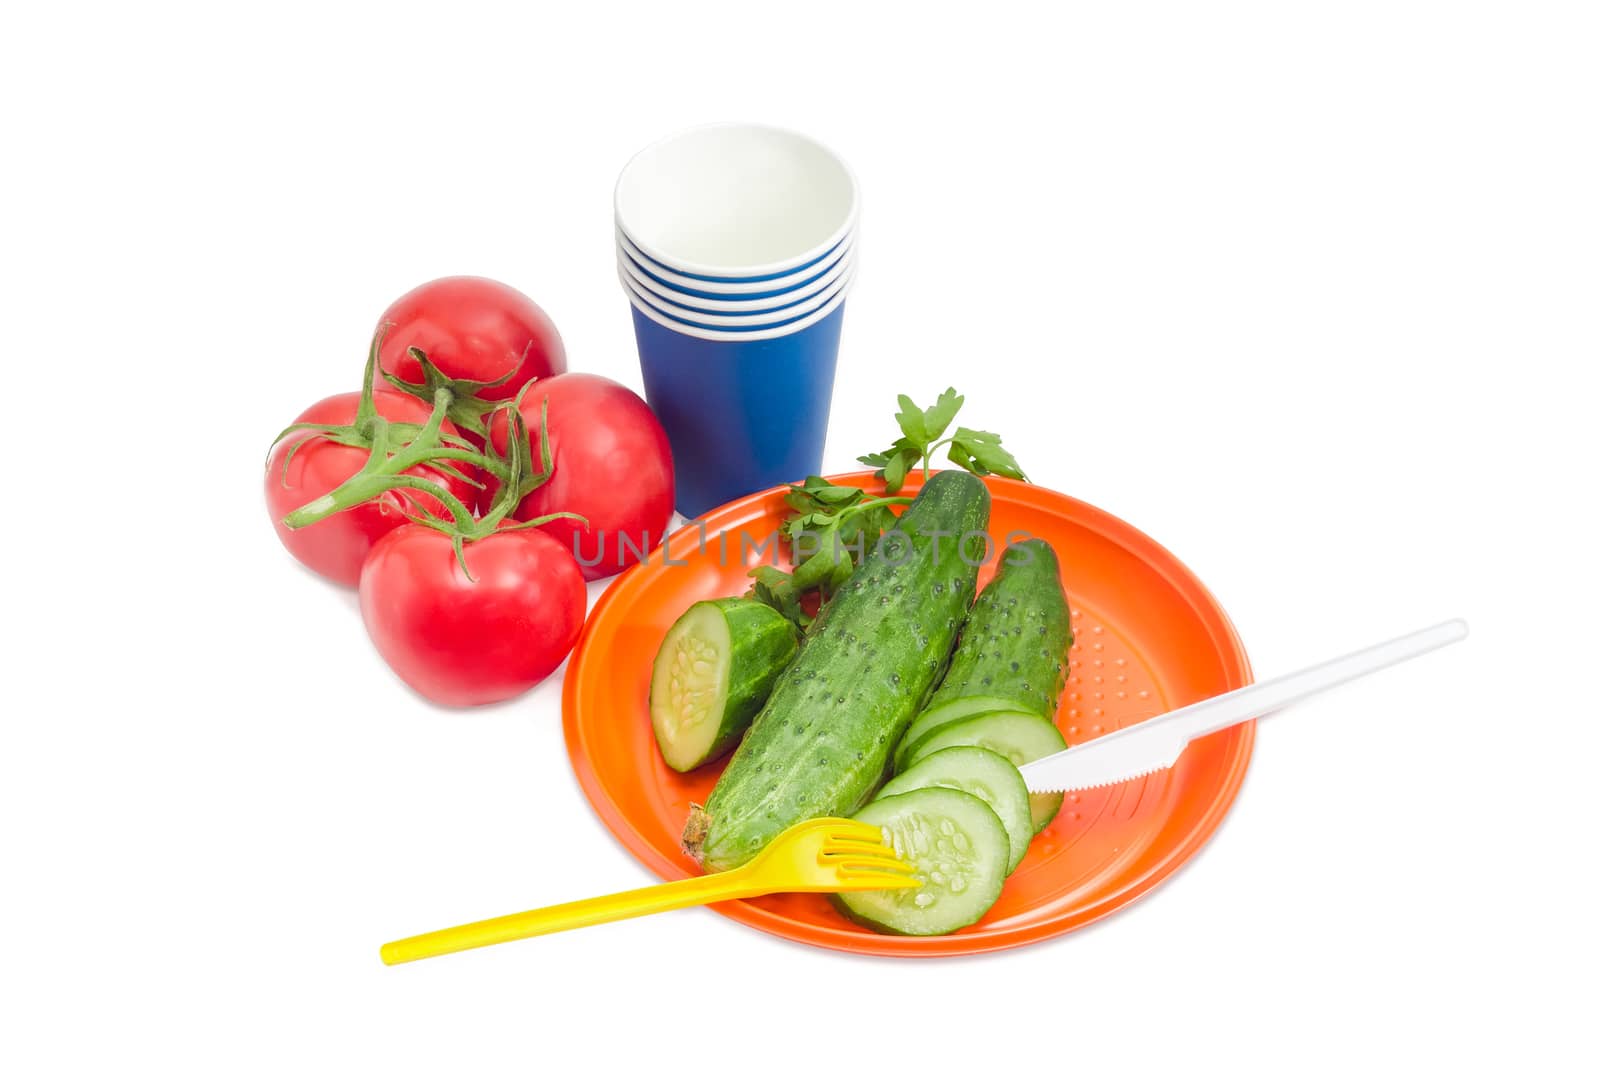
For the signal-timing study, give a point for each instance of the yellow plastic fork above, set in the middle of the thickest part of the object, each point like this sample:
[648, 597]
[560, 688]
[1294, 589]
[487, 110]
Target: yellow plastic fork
[818, 855]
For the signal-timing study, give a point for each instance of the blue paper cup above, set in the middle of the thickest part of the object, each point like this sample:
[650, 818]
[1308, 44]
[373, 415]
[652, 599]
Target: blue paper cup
[743, 409]
[732, 215]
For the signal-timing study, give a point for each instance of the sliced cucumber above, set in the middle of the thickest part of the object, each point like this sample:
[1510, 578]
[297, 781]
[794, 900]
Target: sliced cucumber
[959, 849]
[988, 776]
[1020, 737]
[943, 714]
[714, 670]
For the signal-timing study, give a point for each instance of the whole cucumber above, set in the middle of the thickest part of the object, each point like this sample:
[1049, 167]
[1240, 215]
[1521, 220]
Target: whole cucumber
[820, 744]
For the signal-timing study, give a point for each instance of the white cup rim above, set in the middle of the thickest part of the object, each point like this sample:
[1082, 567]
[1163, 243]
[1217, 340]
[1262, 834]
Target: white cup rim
[745, 272]
[733, 290]
[732, 320]
[734, 335]
[736, 303]
[808, 301]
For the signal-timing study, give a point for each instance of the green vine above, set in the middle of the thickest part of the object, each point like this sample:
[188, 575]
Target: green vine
[394, 449]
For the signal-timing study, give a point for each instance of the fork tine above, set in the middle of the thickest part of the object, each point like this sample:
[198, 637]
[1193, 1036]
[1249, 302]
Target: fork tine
[877, 879]
[835, 847]
[873, 864]
[827, 825]
[851, 831]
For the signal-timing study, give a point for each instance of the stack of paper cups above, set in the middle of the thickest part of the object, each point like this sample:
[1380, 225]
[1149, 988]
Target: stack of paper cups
[736, 245]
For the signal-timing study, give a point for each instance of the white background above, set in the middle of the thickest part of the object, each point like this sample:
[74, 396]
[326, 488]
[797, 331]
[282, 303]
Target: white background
[1306, 291]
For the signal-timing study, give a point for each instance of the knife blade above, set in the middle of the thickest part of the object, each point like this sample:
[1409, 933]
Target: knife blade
[1156, 744]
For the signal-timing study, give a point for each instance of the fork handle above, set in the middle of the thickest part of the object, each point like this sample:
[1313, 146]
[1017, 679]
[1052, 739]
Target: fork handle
[717, 887]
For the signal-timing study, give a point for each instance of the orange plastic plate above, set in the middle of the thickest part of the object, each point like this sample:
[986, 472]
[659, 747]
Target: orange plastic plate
[1148, 638]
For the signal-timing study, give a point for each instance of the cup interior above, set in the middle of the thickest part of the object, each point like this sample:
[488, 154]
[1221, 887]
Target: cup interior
[735, 200]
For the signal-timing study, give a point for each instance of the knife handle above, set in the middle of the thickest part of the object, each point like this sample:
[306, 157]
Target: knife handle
[1152, 745]
[1262, 698]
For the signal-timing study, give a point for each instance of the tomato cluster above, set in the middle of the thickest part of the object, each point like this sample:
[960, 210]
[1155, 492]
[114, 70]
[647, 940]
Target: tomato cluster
[469, 502]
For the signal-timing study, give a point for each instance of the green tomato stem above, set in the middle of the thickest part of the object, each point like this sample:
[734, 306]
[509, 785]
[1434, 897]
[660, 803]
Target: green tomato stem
[362, 487]
[366, 407]
[384, 471]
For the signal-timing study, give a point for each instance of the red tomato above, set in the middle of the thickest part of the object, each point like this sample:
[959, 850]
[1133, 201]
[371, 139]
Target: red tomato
[471, 328]
[612, 465]
[335, 547]
[464, 642]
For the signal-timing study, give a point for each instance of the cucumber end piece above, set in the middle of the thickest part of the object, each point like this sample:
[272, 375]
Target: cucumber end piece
[695, 831]
[689, 688]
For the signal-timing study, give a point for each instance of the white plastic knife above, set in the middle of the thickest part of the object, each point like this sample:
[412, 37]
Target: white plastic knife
[1156, 744]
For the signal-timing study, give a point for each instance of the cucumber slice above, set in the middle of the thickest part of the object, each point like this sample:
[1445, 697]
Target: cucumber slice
[1020, 737]
[943, 714]
[988, 776]
[957, 845]
[714, 670]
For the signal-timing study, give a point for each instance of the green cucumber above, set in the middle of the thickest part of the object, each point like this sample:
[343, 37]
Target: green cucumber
[958, 847]
[820, 744]
[959, 710]
[1013, 649]
[714, 670]
[988, 776]
[1020, 737]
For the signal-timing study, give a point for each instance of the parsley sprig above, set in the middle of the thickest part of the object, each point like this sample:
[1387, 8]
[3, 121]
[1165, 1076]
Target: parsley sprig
[922, 435]
[834, 527]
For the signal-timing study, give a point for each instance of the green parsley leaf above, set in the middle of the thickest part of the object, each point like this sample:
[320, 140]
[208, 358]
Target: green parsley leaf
[834, 497]
[894, 473]
[939, 417]
[980, 452]
[776, 589]
[912, 423]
